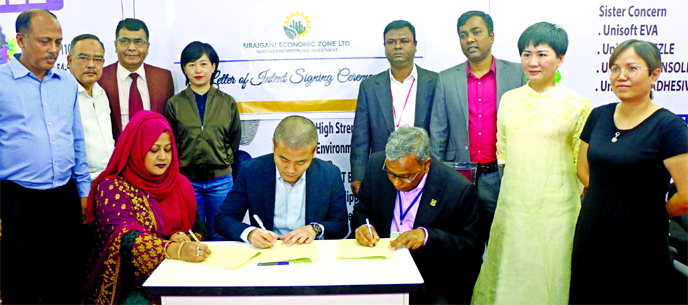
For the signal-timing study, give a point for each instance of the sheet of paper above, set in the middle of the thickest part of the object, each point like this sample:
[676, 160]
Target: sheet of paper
[228, 258]
[351, 249]
[304, 253]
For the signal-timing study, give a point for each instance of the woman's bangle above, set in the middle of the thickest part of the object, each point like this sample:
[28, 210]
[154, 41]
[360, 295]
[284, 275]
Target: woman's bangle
[179, 252]
[167, 244]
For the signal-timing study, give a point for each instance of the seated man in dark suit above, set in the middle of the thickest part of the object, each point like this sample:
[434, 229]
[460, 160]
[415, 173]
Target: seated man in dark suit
[294, 207]
[427, 207]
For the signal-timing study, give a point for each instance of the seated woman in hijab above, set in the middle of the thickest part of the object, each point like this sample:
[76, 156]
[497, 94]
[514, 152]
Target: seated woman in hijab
[141, 210]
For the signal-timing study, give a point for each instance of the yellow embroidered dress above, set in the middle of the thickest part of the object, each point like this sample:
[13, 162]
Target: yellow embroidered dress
[528, 256]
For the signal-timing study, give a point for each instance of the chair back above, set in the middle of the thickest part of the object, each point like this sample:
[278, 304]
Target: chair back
[241, 157]
[467, 169]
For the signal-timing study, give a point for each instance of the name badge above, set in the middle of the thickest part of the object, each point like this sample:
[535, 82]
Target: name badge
[394, 235]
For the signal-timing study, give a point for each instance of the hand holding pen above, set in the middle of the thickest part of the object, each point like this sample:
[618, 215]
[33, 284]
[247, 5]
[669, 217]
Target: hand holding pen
[200, 246]
[262, 238]
[366, 235]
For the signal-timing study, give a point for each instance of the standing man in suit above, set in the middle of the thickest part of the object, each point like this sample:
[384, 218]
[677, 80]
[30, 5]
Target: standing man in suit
[400, 96]
[131, 85]
[463, 127]
[425, 206]
[294, 207]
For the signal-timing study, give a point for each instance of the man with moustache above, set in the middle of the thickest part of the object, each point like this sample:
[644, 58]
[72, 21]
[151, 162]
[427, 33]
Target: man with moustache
[297, 197]
[85, 60]
[43, 170]
[463, 127]
[427, 207]
[401, 95]
[131, 85]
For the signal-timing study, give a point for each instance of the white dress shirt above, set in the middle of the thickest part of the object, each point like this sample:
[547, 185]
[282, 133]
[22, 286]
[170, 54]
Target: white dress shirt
[95, 118]
[290, 208]
[404, 115]
[124, 84]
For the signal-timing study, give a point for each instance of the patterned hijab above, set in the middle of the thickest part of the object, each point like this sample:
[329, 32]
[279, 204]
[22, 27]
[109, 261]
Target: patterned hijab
[173, 192]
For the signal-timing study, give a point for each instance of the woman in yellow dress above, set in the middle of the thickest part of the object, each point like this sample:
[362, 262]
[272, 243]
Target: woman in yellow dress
[538, 127]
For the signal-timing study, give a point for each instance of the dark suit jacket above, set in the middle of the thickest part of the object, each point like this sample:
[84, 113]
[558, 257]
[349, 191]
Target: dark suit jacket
[254, 190]
[374, 120]
[450, 260]
[160, 88]
[449, 123]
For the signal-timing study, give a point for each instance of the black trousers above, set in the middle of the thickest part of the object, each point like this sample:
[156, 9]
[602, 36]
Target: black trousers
[43, 246]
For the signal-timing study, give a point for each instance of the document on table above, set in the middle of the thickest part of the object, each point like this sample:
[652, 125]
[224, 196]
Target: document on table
[228, 258]
[304, 253]
[351, 249]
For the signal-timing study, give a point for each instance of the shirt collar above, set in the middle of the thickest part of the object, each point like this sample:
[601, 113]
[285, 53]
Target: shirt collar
[492, 67]
[419, 187]
[123, 73]
[413, 75]
[301, 180]
[96, 90]
[547, 92]
[19, 70]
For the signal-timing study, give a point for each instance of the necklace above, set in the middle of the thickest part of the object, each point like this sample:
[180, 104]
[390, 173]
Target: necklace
[616, 135]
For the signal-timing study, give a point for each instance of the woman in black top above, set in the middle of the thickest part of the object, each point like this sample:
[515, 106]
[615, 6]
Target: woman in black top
[628, 153]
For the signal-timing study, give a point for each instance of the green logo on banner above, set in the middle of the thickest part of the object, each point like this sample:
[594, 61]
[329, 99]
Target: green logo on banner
[297, 25]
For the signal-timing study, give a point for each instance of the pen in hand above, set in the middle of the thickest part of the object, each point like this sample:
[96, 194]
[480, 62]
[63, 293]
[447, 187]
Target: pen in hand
[369, 230]
[198, 247]
[260, 223]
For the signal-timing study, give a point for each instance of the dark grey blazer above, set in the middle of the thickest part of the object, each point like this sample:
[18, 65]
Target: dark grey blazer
[449, 122]
[374, 120]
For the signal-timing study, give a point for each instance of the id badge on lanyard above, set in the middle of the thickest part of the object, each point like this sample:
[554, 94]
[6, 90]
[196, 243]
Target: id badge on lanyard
[402, 214]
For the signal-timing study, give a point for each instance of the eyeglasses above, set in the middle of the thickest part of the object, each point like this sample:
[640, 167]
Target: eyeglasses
[98, 61]
[403, 179]
[137, 42]
[630, 72]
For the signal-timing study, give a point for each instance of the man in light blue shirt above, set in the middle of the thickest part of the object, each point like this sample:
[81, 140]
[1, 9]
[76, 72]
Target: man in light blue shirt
[297, 197]
[43, 170]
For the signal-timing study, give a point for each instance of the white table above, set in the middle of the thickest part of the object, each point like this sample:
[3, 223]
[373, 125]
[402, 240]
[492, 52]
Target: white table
[327, 281]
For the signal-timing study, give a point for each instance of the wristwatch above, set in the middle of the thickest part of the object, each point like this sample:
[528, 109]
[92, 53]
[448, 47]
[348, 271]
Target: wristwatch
[317, 229]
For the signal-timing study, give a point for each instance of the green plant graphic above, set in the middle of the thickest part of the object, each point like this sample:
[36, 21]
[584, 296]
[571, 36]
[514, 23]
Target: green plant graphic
[297, 25]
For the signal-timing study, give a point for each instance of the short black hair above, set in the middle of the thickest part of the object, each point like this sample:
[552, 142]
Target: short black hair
[84, 37]
[296, 132]
[470, 14]
[544, 33]
[132, 24]
[23, 23]
[194, 51]
[400, 24]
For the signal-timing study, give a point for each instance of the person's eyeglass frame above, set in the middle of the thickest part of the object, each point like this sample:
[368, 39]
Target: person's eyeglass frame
[403, 179]
[630, 72]
[126, 42]
[82, 59]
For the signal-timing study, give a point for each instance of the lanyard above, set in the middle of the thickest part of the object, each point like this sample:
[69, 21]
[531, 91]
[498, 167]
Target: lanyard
[403, 214]
[402, 109]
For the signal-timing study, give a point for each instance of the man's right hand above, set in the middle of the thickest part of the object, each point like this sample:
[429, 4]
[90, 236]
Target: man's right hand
[355, 185]
[363, 236]
[262, 239]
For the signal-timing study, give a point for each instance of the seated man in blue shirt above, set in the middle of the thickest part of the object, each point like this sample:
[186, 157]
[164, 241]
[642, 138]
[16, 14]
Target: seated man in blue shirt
[293, 207]
[426, 207]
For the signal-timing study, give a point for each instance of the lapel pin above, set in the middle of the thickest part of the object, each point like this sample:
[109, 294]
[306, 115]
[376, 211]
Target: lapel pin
[433, 202]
